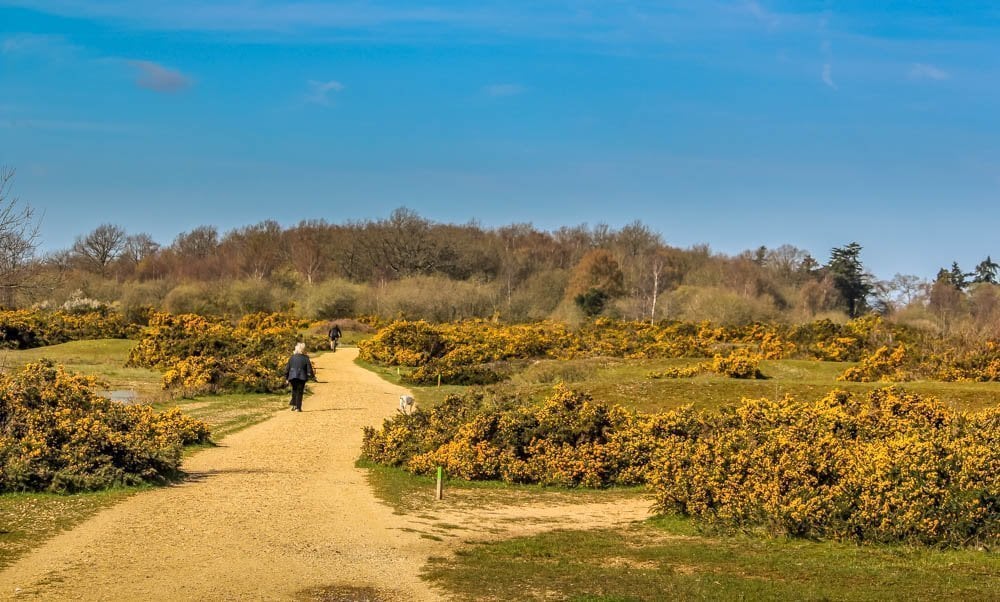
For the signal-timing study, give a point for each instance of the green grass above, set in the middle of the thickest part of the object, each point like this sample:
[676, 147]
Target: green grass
[667, 559]
[407, 493]
[103, 358]
[425, 396]
[227, 414]
[627, 382]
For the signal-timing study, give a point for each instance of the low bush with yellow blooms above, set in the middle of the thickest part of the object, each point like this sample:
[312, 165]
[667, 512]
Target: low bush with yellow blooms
[200, 355]
[886, 466]
[57, 434]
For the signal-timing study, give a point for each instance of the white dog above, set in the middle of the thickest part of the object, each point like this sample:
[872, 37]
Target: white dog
[406, 404]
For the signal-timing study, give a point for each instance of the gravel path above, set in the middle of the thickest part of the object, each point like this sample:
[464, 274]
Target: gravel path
[276, 512]
[277, 509]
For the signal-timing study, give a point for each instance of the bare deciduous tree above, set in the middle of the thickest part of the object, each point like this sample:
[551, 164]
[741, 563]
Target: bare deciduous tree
[18, 241]
[139, 247]
[258, 250]
[101, 247]
[309, 245]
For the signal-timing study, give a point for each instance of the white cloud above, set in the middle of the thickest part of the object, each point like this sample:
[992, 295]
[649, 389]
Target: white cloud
[48, 46]
[762, 14]
[159, 78]
[499, 90]
[240, 15]
[319, 92]
[926, 71]
[828, 76]
[67, 126]
[826, 48]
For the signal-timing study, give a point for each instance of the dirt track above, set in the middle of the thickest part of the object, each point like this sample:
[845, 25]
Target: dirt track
[277, 510]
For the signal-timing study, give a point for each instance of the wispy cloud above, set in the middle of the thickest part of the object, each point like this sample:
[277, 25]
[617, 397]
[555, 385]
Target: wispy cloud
[68, 126]
[763, 15]
[500, 90]
[47, 46]
[159, 78]
[827, 51]
[319, 92]
[925, 71]
[237, 15]
[827, 76]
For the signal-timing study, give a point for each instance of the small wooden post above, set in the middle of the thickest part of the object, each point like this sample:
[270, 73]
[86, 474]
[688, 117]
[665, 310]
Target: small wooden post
[439, 493]
[439, 379]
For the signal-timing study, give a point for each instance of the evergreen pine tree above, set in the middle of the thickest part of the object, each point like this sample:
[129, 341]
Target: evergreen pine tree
[849, 278]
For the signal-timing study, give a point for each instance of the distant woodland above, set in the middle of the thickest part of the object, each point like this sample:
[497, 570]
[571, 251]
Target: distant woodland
[408, 266]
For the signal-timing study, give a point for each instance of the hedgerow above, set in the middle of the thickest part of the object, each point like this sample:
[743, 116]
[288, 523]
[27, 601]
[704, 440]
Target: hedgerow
[471, 352]
[57, 434]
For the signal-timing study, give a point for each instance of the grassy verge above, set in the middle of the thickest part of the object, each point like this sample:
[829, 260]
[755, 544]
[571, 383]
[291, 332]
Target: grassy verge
[230, 413]
[425, 396]
[406, 493]
[667, 559]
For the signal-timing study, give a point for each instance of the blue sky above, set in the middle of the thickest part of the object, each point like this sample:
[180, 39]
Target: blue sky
[734, 123]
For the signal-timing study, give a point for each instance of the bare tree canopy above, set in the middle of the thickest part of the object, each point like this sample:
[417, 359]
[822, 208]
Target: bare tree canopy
[18, 242]
[101, 247]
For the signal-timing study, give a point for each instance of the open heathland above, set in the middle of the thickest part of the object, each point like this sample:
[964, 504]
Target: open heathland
[483, 525]
[790, 458]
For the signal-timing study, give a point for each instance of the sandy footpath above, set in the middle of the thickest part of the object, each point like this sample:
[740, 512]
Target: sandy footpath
[275, 510]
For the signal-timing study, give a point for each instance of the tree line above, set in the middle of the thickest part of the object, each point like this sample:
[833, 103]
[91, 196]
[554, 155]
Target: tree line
[405, 264]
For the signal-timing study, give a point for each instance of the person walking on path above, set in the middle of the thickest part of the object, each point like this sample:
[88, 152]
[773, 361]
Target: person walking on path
[297, 372]
[334, 336]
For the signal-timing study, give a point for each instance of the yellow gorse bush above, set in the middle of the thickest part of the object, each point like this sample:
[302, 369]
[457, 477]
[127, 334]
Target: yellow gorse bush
[881, 467]
[882, 364]
[738, 364]
[472, 352]
[57, 434]
[207, 355]
[480, 351]
[26, 328]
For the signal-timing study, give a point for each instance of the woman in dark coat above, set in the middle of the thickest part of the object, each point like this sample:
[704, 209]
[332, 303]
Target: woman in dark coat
[297, 372]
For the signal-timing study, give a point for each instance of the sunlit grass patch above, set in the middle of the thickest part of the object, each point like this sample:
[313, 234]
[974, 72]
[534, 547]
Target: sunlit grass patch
[102, 358]
[668, 559]
[627, 382]
[407, 493]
